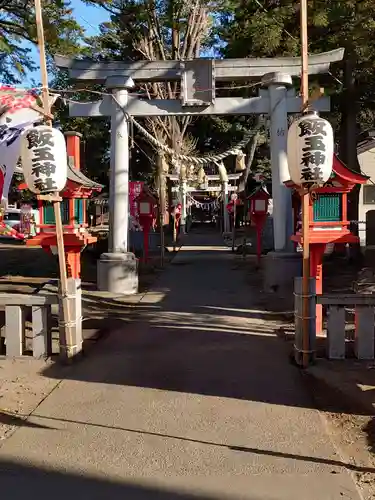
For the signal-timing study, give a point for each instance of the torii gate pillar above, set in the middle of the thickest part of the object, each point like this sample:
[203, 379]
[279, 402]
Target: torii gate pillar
[117, 269]
[283, 263]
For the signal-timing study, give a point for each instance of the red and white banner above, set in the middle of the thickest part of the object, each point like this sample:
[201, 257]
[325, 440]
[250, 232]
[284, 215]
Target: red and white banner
[15, 117]
[135, 189]
[26, 218]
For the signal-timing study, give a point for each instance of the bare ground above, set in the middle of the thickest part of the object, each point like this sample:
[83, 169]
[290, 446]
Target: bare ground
[22, 388]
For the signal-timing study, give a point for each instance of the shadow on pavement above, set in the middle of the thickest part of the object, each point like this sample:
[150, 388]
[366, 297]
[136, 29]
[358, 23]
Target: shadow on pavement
[240, 449]
[19, 421]
[19, 481]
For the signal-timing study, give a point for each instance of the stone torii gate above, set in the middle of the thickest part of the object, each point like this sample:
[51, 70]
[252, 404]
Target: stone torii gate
[223, 187]
[117, 269]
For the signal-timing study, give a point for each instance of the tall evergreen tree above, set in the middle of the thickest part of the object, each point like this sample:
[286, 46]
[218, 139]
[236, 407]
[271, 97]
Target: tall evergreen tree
[258, 28]
[18, 32]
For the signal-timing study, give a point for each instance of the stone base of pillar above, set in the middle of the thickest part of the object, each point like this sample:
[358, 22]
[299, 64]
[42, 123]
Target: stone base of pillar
[118, 273]
[280, 269]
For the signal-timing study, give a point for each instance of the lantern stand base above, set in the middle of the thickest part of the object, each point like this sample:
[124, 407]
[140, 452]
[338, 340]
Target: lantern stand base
[118, 273]
[280, 269]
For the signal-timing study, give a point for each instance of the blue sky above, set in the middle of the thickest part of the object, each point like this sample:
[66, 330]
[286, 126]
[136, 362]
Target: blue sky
[88, 17]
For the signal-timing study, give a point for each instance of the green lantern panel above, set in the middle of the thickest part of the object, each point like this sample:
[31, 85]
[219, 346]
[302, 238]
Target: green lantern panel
[327, 208]
[79, 214]
[49, 216]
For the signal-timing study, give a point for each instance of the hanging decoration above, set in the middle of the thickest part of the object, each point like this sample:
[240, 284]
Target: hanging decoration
[203, 205]
[183, 172]
[310, 150]
[201, 176]
[164, 165]
[240, 162]
[44, 159]
[222, 172]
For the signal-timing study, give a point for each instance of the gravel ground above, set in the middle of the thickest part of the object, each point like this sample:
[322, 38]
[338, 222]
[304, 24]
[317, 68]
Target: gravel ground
[22, 388]
[345, 394]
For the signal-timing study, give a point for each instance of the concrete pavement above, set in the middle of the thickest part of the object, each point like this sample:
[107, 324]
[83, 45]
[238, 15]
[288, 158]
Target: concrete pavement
[193, 398]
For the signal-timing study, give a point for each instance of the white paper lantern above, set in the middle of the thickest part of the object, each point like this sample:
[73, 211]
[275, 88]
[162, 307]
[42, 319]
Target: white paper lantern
[310, 150]
[44, 159]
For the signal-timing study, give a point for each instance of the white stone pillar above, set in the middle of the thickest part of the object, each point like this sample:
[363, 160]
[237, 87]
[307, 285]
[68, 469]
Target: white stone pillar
[117, 269]
[225, 189]
[277, 84]
[119, 175]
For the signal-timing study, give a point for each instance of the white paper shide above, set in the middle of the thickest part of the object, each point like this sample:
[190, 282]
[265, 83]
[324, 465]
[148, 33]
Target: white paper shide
[310, 150]
[44, 159]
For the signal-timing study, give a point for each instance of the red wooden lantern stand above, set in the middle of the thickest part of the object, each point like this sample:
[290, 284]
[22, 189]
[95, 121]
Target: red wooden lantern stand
[76, 236]
[328, 221]
[147, 216]
[258, 211]
[176, 215]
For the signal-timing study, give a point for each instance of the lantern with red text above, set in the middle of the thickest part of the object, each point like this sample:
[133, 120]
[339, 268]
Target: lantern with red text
[44, 159]
[259, 199]
[310, 150]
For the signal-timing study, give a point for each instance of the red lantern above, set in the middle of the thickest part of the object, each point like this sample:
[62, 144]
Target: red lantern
[258, 212]
[146, 205]
[177, 214]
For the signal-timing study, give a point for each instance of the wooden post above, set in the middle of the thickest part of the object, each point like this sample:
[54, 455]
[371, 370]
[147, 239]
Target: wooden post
[67, 349]
[305, 194]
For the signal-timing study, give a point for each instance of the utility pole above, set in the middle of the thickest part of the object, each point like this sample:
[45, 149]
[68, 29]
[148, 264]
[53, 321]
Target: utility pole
[305, 194]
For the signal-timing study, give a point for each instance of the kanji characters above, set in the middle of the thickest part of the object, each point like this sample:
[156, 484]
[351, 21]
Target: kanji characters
[46, 184]
[42, 154]
[37, 138]
[314, 142]
[312, 127]
[313, 157]
[306, 175]
[317, 174]
[47, 168]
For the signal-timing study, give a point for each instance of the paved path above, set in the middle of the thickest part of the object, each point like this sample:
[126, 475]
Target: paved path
[192, 398]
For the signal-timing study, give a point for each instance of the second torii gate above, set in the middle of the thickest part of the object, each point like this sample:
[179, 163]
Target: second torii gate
[117, 269]
[224, 187]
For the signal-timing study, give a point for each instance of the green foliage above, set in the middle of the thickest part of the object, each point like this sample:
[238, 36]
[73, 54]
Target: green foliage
[252, 28]
[159, 29]
[17, 28]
